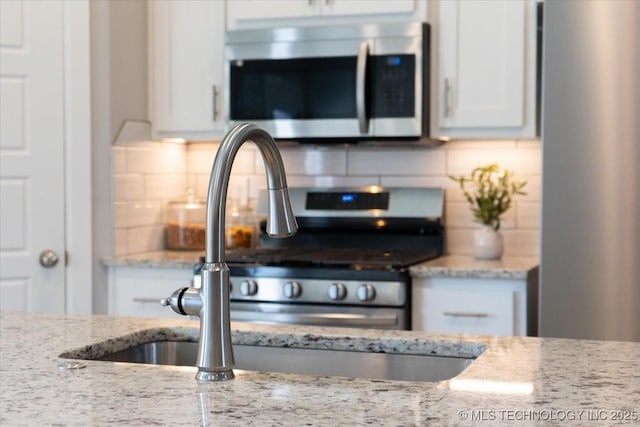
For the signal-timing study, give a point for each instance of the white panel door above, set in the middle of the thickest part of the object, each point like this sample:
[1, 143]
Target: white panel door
[31, 155]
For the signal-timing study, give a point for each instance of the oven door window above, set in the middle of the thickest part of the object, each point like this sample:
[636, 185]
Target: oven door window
[293, 89]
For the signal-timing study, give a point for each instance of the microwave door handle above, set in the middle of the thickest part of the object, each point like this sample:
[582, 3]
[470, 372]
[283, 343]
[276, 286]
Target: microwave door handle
[361, 80]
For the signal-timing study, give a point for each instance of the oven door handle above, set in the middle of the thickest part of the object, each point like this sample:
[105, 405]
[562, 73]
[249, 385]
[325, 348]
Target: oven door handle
[315, 318]
[361, 90]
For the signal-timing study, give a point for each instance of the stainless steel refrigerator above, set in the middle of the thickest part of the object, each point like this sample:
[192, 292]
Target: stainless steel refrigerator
[590, 256]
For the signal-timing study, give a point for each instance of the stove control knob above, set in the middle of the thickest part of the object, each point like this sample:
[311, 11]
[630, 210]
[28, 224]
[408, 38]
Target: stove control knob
[337, 292]
[292, 290]
[248, 287]
[366, 292]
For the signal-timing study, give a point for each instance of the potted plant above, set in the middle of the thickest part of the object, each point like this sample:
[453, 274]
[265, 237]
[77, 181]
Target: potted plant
[489, 191]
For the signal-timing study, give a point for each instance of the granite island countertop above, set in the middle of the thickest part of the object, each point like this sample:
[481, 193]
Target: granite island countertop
[557, 381]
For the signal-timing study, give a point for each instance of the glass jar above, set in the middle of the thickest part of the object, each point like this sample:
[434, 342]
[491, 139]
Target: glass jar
[185, 222]
[240, 227]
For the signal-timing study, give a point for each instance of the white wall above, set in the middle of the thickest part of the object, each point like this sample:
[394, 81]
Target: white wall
[118, 92]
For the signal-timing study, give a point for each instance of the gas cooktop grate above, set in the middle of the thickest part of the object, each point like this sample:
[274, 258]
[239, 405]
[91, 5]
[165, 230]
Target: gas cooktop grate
[355, 258]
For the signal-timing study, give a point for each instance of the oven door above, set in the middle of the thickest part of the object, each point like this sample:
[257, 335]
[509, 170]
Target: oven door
[328, 90]
[319, 315]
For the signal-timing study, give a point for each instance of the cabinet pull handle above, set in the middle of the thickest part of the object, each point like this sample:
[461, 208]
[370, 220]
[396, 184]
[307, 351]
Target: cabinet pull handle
[447, 97]
[147, 300]
[466, 314]
[215, 104]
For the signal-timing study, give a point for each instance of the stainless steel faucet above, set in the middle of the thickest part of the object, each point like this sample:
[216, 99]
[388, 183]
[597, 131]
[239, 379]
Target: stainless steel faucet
[210, 302]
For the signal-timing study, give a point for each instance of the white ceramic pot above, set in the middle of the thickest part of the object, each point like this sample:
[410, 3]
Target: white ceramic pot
[487, 243]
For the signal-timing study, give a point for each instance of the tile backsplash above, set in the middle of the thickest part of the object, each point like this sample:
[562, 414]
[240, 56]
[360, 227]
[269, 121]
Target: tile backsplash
[147, 176]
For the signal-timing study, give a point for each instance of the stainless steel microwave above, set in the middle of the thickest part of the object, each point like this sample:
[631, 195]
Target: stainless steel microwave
[330, 83]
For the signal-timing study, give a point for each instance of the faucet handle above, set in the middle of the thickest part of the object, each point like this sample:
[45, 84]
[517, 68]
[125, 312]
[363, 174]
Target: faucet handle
[185, 301]
[174, 301]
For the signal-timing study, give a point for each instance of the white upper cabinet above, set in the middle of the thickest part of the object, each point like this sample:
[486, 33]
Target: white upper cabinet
[251, 13]
[484, 82]
[186, 50]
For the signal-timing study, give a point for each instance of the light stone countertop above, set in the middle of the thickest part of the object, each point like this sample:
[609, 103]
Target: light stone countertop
[446, 266]
[159, 259]
[557, 381]
[460, 266]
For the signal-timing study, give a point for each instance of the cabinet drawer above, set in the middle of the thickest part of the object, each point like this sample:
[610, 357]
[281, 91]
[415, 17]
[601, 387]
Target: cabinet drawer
[456, 311]
[137, 292]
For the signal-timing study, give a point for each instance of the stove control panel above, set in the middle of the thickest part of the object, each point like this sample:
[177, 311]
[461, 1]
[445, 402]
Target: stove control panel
[320, 291]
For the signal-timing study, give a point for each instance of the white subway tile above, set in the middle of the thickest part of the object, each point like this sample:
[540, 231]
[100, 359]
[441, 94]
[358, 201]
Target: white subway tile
[145, 214]
[119, 160]
[458, 242]
[520, 161]
[244, 162]
[121, 219]
[202, 186]
[415, 181]
[258, 182]
[128, 187]
[173, 157]
[200, 157]
[157, 158]
[307, 161]
[533, 188]
[136, 214]
[522, 242]
[530, 143]
[165, 187]
[120, 242]
[479, 144]
[191, 181]
[529, 215]
[401, 162]
[516, 242]
[145, 239]
[331, 181]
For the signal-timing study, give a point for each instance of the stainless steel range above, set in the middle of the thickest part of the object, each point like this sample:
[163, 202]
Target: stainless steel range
[348, 264]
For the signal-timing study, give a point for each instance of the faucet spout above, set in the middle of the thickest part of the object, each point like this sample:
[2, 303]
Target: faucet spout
[281, 221]
[211, 301]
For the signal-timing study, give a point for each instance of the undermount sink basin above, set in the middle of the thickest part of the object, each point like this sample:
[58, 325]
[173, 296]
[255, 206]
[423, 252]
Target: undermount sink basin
[354, 364]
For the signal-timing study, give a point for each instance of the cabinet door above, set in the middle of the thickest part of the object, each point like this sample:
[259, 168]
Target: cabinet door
[239, 10]
[359, 7]
[486, 78]
[137, 292]
[186, 68]
[474, 312]
[261, 13]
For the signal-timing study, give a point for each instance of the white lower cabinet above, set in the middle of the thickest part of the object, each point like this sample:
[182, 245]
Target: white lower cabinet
[474, 306]
[137, 291]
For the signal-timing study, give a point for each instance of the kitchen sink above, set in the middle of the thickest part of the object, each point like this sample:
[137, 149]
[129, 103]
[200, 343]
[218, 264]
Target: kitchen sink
[305, 361]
